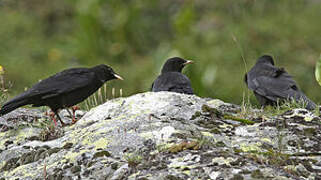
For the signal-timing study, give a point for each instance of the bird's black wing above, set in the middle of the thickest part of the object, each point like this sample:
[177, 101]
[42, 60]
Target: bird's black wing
[60, 83]
[274, 85]
[174, 82]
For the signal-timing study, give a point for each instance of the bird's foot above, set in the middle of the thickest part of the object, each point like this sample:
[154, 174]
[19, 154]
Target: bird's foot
[63, 124]
[74, 109]
[74, 120]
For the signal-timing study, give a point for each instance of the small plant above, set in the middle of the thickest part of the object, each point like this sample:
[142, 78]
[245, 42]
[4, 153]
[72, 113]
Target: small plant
[100, 97]
[318, 71]
[3, 90]
[282, 107]
[133, 159]
[247, 109]
[49, 130]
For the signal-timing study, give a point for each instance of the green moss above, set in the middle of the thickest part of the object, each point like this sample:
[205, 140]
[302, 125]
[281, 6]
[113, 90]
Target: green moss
[102, 154]
[244, 121]
[215, 131]
[211, 110]
[207, 134]
[196, 115]
[309, 131]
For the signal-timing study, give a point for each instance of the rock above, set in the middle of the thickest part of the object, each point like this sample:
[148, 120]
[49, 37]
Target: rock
[165, 135]
[121, 173]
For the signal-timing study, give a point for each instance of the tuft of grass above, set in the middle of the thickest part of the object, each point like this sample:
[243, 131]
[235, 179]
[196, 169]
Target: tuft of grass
[317, 72]
[49, 130]
[100, 97]
[133, 159]
[3, 90]
[282, 107]
[248, 110]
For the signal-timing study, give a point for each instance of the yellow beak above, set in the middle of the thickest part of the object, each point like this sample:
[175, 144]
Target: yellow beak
[189, 62]
[118, 77]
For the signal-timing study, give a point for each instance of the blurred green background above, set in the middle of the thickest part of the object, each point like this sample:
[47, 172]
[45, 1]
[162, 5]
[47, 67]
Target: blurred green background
[41, 37]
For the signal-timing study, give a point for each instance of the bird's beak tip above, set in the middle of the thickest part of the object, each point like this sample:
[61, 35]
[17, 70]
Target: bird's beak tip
[188, 62]
[118, 77]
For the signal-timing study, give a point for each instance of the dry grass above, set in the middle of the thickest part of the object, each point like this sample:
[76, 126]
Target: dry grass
[101, 96]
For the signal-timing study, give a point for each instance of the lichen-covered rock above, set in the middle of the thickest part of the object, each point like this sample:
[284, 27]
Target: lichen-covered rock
[164, 136]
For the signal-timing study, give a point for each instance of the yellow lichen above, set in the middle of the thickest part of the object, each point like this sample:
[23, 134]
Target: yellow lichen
[187, 172]
[266, 140]
[207, 134]
[222, 160]
[308, 118]
[101, 143]
[21, 170]
[251, 147]
[71, 156]
[225, 126]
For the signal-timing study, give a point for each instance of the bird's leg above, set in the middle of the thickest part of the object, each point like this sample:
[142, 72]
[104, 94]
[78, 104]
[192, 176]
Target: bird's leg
[74, 109]
[72, 115]
[62, 123]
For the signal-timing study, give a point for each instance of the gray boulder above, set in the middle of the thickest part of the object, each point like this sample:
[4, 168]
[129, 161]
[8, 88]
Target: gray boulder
[163, 136]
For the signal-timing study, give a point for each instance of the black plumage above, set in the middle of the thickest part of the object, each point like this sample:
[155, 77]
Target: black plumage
[171, 78]
[63, 89]
[271, 84]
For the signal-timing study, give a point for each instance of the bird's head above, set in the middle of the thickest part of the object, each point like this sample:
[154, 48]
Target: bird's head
[266, 59]
[175, 64]
[106, 73]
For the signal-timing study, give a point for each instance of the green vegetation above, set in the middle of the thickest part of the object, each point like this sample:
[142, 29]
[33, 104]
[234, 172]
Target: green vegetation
[3, 89]
[244, 121]
[247, 110]
[49, 130]
[133, 159]
[100, 97]
[41, 37]
[318, 71]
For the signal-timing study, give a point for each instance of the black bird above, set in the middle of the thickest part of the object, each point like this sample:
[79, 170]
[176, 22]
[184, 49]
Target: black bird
[171, 78]
[271, 84]
[63, 89]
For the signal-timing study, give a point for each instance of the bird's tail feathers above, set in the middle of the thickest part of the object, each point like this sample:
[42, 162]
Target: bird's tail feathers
[300, 96]
[12, 105]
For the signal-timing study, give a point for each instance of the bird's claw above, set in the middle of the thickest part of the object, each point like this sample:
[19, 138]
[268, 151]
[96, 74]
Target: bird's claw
[74, 120]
